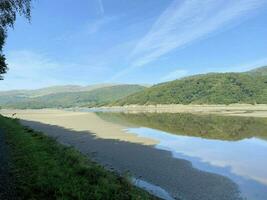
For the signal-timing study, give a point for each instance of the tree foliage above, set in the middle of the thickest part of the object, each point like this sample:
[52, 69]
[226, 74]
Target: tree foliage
[8, 14]
[214, 88]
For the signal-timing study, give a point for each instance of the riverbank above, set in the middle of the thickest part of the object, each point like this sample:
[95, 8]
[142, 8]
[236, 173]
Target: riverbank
[78, 121]
[44, 169]
[109, 145]
[246, 110]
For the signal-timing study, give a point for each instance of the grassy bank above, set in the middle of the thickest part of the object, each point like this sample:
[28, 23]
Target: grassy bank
[44, 169]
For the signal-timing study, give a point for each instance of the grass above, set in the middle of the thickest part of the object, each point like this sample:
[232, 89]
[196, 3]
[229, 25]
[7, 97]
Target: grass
[44, 169]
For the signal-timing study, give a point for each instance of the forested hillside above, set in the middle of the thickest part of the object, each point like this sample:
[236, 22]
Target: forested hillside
[213, 88]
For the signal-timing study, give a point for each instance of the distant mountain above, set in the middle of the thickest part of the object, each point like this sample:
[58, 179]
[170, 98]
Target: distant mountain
[66, 96]
[212, 88]
[52, 90]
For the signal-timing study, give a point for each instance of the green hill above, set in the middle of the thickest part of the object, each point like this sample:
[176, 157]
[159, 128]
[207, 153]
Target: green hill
[212, 88]
[93, 97]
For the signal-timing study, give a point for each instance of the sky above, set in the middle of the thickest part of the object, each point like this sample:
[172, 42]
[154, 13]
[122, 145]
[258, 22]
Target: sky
[83, 42]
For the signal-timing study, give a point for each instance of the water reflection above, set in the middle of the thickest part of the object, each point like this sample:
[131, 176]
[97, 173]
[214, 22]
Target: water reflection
[205, 126]
[231, 146]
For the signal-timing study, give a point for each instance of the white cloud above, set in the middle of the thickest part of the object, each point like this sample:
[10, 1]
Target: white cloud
[174, 75]
[184, 22]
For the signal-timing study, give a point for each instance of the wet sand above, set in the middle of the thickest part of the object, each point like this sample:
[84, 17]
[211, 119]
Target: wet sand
[78, 121]
[246, 110]
[110, 146]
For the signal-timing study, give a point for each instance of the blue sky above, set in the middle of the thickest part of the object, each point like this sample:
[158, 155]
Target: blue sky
[124, 41]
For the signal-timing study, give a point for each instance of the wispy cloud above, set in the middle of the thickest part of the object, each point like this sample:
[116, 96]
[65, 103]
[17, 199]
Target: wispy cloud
[30, 69]
[91, 27]
[96, 25]
[101, 7]
[174, 75]
[246, 66]
[185, 22]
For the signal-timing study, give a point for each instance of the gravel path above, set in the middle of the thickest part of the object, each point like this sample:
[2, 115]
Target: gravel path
[6, 186]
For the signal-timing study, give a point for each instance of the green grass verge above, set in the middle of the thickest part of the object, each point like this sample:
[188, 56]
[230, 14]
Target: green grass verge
[44, 169]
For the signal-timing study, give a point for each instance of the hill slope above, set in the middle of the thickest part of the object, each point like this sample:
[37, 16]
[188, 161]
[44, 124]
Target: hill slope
[261, 71]
[93, 97]
[213, 88]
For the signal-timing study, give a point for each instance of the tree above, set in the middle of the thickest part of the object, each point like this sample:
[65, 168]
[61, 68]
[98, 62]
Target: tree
[8, 14]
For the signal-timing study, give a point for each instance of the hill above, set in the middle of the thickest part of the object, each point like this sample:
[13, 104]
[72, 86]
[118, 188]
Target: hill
[212, 88]
[67, 96]
[52, 90]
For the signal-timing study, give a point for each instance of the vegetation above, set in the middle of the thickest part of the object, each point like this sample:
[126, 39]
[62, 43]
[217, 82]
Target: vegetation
[214, 88]
[44, 169]
[60, 98]
[206, 126]
[259, 71]
[8, 14]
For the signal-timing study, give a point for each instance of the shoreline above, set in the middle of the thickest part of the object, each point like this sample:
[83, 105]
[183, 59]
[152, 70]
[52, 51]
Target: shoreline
[79, 121]
[245, 110]
[239, 110]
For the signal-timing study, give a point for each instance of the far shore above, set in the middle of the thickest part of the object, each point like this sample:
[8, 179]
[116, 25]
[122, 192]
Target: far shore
[243, 110]
[246, 110]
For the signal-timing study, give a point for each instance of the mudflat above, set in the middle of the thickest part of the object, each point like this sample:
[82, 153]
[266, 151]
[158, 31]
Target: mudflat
[78, 121]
